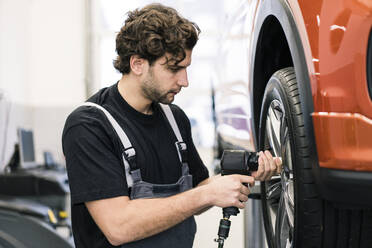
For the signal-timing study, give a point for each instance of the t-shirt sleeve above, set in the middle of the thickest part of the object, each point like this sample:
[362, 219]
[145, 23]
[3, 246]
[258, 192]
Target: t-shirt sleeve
[95, 171]
[197, 168]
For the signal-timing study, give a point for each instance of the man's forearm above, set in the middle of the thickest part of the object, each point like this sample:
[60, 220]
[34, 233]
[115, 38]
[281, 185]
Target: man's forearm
[123, 220]
[143, 218]
[204, 182]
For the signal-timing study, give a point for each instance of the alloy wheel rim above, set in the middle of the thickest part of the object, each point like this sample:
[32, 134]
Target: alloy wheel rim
[280, 188]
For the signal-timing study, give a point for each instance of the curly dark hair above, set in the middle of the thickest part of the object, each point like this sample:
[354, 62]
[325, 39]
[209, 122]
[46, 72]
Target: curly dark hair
[151, 32]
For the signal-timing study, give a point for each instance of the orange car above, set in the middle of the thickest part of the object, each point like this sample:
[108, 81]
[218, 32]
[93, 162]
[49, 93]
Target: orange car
[295, 77]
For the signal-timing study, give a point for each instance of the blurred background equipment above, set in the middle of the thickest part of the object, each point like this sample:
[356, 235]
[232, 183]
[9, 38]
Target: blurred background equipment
[4, 124]
[33, 199]
[26, 148]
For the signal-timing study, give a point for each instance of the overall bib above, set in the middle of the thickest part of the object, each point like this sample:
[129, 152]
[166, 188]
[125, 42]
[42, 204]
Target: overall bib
[181, 235]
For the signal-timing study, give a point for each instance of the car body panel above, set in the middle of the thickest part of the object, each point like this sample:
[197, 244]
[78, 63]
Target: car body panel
[329, 39]
[348, 142]
[232, 94]
[338, 33]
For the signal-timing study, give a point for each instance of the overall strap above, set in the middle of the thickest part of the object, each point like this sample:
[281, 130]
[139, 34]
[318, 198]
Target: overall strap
[180, 145]
[129, 154]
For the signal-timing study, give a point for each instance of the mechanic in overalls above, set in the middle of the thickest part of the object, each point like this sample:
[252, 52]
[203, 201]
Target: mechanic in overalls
[135, 176]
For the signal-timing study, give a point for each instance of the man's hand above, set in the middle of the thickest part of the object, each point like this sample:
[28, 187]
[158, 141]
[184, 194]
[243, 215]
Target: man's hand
[227, 191]
[267, 166]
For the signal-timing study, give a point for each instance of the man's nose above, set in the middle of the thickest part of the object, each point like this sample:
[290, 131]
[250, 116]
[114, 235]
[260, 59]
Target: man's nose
[182, 78]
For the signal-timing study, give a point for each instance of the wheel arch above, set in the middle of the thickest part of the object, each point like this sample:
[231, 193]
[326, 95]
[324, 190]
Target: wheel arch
[269, 57]
[275, 22]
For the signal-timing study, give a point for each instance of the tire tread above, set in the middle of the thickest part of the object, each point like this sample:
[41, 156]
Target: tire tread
[322, 224]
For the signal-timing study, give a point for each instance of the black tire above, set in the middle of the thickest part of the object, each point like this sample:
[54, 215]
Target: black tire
[314, 223]
[5, 244]
[292, 214]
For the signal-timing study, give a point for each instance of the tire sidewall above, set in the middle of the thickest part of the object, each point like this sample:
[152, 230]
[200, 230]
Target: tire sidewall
[275, 91]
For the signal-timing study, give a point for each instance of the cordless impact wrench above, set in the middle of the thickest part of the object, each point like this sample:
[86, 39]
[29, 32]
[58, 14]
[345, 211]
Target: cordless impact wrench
[234, 162]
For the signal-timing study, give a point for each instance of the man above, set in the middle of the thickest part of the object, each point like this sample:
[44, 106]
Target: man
[136, 178]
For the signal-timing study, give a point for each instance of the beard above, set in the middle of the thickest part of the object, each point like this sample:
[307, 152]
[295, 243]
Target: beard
[151, 90]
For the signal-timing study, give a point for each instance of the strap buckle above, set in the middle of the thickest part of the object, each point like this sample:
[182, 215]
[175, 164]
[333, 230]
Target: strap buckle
[130, 156]
[129, 152]
[182, 151]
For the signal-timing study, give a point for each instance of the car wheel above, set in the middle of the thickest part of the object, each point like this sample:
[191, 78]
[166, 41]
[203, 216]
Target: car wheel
[292, 209]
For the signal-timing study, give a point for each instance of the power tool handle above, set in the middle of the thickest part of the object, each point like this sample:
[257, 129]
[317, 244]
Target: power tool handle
[227, 212]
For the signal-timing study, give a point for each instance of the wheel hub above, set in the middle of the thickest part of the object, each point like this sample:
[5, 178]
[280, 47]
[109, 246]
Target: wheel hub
[280, 189]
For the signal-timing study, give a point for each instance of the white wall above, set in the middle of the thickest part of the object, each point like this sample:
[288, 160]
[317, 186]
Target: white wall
[42, 67]
[14, 48]
[57, 52]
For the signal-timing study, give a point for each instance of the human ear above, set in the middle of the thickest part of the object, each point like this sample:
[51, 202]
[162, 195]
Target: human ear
[137, 64]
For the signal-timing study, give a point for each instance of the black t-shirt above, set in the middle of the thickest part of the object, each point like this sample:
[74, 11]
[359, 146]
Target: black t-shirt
[93, 154]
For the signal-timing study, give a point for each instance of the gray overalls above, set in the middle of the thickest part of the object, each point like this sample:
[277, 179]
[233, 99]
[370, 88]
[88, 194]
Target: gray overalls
[181, 235]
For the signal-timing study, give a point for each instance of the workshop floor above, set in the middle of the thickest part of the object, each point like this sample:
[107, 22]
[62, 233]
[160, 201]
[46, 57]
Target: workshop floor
[208, 222]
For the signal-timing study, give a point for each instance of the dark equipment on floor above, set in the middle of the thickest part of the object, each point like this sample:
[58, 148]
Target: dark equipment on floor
[33, 200]
[234, 162]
